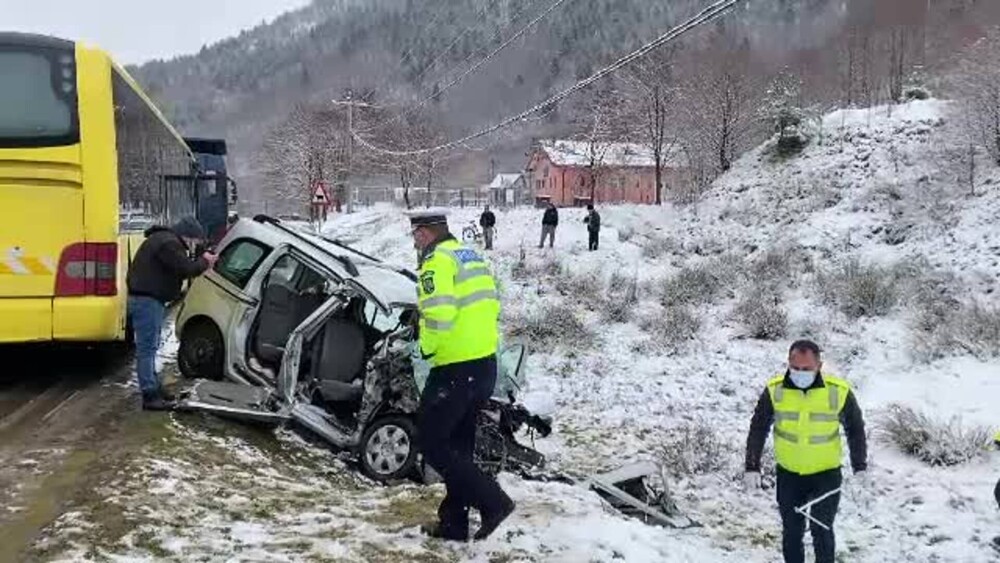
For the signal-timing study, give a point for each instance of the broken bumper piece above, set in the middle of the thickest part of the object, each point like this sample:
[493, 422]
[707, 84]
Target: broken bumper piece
[630, 490]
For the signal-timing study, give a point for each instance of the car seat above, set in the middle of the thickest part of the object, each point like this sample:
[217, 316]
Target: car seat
[282, 310]
[338, 360]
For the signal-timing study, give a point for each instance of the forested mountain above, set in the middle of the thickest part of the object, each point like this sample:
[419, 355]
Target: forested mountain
[398, 52]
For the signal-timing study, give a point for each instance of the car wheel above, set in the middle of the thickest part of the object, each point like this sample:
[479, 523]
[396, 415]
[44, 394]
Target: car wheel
[201, 351]
[389, 448]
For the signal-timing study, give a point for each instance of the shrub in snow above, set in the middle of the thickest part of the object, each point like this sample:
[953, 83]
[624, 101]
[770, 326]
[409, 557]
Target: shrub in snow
[693, 449]
[780, 266]
[671, 330]
[859, 290]
[527, 269]
[978, 330]
[655, 247]
[622, 298]
[762, 315]
[585, 287]
[945, 327]
[689, 286]
[549, 326]
[932, 441]
[812, 328]
[701, 284]
[625, 233]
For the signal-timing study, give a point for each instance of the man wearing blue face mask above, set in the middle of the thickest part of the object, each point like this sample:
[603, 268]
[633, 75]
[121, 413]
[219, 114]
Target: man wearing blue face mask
[807, 409]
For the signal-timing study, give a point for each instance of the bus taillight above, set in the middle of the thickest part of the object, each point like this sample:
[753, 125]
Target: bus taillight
[88, 268]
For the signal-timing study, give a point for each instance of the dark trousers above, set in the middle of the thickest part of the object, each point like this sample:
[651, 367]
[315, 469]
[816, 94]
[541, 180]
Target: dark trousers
[446, 424]
[795, 490]
[595, 239]
[488, 237]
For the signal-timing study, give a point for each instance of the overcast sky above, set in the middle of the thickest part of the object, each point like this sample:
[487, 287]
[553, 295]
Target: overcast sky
[135, 31]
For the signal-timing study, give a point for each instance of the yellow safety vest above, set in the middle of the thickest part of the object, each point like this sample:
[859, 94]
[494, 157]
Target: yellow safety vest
[807, 424]
[459, 306]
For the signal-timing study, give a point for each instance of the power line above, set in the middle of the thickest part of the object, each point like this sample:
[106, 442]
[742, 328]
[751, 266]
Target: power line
[472, 69]
[707, 15]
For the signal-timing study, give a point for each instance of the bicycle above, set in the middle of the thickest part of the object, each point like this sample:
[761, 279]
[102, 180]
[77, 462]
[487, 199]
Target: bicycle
[471, 233]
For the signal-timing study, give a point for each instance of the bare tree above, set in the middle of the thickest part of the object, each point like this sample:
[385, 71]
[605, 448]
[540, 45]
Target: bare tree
[719, 101]
[412, 131]
[652, 95]
[600, 122]
[306, 149]
[977, 82]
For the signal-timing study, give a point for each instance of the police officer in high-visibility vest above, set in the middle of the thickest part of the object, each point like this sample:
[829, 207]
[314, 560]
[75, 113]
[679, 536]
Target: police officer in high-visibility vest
[459, 311]
[807, 409]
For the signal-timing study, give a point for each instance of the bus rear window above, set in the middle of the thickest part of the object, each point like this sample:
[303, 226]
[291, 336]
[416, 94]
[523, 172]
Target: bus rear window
[38, 100]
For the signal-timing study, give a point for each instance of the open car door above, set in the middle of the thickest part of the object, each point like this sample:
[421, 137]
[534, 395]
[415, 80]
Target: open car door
[261, 404]
[510, 371]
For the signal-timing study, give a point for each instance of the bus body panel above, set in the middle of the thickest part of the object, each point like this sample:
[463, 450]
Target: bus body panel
[38, 220]
[88, 319]
[25, 320]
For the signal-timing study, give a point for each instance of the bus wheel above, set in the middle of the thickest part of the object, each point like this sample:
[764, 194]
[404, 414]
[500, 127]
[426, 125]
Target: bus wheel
[201, 351]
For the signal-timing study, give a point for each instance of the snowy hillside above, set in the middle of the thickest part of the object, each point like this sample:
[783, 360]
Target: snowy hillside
[649, 348]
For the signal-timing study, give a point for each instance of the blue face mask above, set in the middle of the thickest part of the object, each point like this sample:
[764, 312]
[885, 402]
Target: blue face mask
[801, 378]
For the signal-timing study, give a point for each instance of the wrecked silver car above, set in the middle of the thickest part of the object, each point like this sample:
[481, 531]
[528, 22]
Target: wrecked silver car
[323, 336]
[311, 332]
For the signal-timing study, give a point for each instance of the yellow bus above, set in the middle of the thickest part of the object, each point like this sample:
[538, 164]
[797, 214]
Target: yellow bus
[87, 162]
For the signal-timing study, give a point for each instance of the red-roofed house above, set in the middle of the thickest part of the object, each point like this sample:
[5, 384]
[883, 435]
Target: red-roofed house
[563, 172]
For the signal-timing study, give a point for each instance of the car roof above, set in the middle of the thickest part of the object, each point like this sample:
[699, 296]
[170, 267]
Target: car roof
[394, 286]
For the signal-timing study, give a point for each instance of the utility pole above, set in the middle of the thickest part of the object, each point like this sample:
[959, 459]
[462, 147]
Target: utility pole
[350, 103]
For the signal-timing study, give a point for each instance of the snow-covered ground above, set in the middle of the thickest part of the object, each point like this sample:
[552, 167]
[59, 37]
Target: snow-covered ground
[615, 399]
[878, 185]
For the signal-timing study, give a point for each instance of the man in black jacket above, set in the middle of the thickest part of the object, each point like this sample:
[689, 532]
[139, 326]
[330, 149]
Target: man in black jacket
[593, 221]
[550, 220]
[807, 409]
[155, 278]
[488, 222]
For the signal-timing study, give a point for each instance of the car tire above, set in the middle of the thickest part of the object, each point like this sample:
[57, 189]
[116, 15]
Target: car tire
[201, 352]
[388, 449]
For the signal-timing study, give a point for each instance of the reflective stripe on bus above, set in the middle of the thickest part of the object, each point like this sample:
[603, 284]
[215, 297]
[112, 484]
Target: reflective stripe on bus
[25, 266]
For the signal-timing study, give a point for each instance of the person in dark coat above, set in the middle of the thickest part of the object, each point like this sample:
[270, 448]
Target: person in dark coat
[550, 220]
[593, 221]
[155, 279]
[488, 222]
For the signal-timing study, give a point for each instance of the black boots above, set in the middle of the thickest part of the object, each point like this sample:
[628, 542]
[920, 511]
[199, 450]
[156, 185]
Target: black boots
[492, 521]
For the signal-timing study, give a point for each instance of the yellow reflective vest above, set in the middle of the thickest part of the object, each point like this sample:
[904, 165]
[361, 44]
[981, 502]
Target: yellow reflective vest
[807, 424]
[459, 305]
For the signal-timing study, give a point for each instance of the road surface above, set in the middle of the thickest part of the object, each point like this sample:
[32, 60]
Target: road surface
[64, 421]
